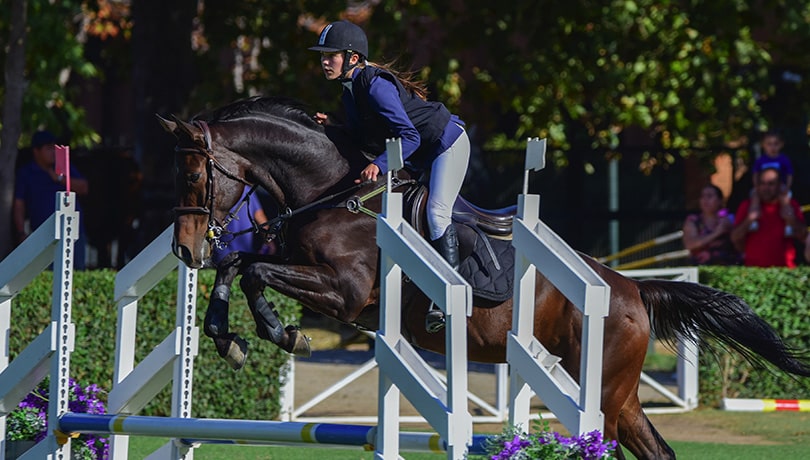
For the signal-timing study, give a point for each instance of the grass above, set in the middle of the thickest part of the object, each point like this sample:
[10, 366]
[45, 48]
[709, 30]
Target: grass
[702, 451]
[142, 447]
[764, 436]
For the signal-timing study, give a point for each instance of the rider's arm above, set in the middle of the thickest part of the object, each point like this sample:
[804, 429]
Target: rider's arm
[384, 98]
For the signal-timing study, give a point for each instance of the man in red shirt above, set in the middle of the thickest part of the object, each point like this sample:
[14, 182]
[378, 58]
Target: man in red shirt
[767, 245]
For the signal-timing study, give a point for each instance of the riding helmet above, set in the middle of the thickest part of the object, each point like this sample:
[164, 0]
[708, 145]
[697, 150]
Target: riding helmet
[342, 36]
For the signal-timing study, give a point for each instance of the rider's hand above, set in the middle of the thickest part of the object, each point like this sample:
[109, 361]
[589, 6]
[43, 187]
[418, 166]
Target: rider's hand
[321, 118]
[369, 173]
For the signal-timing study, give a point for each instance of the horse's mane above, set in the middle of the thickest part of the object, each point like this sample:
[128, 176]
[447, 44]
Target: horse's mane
[260, 107]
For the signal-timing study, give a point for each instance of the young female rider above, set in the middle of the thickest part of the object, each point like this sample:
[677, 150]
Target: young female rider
[381, 104]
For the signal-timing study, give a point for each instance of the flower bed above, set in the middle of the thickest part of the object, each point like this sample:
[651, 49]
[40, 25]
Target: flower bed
[514, 444]
[29, 421]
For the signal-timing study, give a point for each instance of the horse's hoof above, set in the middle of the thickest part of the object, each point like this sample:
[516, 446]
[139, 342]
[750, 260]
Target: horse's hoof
[434, 321]
[300, 346]
[233, 349]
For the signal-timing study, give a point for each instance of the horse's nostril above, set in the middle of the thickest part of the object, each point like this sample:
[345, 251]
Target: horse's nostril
[182, 253]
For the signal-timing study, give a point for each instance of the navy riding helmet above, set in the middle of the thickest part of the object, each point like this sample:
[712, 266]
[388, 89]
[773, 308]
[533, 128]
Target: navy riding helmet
[342, 36]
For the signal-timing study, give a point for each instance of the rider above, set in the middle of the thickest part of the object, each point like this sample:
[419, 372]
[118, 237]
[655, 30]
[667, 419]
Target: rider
[382, 103]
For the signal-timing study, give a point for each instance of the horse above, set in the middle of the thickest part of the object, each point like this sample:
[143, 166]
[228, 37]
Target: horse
[329, 263]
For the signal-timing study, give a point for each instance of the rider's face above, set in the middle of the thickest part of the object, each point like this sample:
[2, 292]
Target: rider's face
[332, 63]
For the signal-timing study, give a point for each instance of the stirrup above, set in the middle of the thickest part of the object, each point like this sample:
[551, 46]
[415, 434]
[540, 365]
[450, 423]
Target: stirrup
[434, 321]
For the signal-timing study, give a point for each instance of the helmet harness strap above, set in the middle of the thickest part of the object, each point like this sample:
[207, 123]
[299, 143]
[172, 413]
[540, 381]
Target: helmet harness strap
[347, 65]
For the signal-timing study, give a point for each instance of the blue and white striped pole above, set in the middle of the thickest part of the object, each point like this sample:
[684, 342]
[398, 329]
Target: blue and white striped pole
[196, 430]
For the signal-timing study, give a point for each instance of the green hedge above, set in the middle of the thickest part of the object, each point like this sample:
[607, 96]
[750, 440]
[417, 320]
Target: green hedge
[252, 393]
[781, 297]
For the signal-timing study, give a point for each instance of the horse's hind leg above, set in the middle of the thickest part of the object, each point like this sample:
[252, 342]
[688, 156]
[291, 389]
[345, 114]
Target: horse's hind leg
[268, 324]
[639, 436]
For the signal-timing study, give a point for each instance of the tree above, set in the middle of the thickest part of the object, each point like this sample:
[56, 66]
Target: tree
[44, 51]
[12, 107]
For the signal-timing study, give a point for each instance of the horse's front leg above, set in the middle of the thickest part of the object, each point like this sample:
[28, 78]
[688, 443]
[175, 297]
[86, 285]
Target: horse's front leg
[229, 345]
[216, 317]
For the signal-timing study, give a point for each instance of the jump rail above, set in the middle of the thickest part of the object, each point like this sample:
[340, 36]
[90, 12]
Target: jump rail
[531, 366]
[52, 242]
[172, 360]
[687, 364]
[192, 431]
[402, 370]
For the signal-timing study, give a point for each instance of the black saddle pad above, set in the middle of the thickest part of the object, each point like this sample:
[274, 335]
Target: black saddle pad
[491, 274]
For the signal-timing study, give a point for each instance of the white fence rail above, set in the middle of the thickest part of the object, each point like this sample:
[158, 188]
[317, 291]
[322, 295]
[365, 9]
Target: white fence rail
[52, 242]
[402, 370]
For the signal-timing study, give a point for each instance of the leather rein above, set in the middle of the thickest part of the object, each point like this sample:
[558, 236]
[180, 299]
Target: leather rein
[273, 227]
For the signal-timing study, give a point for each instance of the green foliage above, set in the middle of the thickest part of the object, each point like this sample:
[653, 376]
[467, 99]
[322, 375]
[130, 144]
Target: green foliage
[781, 298]
[270, 39]
[252, 393]
[55, 56]
[690, 73]
[693, 74]
[24, 424]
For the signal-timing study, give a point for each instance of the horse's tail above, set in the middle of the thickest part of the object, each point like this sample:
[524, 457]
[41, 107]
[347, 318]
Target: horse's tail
[686, 310]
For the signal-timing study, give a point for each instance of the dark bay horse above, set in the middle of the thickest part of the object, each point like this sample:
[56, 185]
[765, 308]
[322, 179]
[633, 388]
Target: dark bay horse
[330, 264]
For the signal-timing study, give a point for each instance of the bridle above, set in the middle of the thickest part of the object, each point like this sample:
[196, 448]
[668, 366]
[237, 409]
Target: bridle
[215, 231]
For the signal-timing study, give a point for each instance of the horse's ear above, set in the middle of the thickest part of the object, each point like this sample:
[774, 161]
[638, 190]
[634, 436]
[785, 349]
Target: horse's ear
[168, 125]
[191, 131]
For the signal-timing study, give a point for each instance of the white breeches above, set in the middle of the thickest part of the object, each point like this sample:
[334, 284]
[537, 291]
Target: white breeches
[446, 177]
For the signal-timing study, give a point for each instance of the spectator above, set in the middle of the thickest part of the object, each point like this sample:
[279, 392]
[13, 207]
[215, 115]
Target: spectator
[249, 241]
[768, 246]
[772, 157]
[707, 234]
[35, 188]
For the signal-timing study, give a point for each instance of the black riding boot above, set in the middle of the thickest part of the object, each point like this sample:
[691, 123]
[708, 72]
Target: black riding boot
[447, 246]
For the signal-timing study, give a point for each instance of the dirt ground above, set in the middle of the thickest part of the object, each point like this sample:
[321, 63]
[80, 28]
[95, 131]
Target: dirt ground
[339, 351]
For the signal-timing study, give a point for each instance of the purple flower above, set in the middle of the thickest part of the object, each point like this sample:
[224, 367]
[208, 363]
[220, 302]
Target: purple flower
[510, 448]
[544, 444]
[81, 400]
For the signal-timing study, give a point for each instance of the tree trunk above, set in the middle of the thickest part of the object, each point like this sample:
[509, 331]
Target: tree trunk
[12, 117]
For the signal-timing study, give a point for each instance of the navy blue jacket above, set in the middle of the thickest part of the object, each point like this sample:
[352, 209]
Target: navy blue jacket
[379, 108]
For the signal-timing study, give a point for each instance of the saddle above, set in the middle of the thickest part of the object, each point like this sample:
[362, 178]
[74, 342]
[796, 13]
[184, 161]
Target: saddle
[487, 256]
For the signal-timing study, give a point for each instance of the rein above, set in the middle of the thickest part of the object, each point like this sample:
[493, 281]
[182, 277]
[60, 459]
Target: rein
[353, 205]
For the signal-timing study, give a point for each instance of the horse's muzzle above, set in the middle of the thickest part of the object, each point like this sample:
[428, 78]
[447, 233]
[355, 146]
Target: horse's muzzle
[185, 254]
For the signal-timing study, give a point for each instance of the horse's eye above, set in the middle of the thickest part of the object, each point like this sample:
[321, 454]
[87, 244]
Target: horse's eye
[193, 177]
